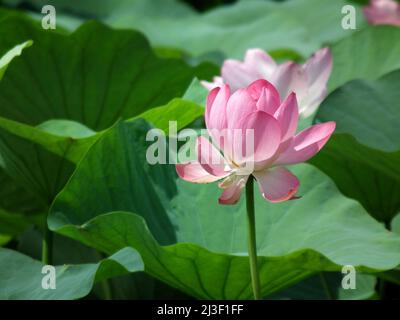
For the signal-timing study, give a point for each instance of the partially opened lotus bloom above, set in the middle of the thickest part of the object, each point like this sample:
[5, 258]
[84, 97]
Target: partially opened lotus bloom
[308, 81]
[383, 12]
[253, 133]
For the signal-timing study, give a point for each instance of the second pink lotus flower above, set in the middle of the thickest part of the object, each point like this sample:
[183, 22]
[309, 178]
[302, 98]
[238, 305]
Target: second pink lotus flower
[258, 109]
[308, 81]
[383, 12]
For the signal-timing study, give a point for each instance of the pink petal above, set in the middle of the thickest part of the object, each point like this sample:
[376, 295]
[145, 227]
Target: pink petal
[217, 82]
[318, 68]
[239, 106]
[311, 103]
[236, 74]
[266, 95]
[290, 77]
[210, 158]
[209, 166]
[383, 12]
[260, 63]
[288, 116]
[277, 184]
[210, 100]
[195, 173]
[257, 65]
[306, 144]
[231, 194]
[216, 108]
[259, 140]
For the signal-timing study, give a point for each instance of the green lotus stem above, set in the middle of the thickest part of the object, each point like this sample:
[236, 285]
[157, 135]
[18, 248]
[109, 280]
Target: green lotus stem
[382, 285]
[107, 291]
[47, 246]
[252, 244]
[106, 286]
[382, 289]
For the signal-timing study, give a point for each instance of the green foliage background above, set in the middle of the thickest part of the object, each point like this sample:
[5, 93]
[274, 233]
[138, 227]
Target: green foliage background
[76, 104]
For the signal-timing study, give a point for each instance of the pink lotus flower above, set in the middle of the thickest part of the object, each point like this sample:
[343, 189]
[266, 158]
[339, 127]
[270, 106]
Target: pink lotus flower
[257, 109]
[383, 12]
[308, 81]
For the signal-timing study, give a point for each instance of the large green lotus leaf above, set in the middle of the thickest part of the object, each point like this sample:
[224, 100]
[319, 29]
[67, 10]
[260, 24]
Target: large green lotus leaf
[65, 138]
[10, 55]
[367, 54]
[196, 93]
[95, 9]
[393, 275]
[41, 172]
[94, 76]
[136, 285]
[21, 276]
[363, 155]
[70, 139]
[182, 112]
[115, 199]
[19, 208]
[299, 25]
[15, 198]
[64, 89]
[12, 224]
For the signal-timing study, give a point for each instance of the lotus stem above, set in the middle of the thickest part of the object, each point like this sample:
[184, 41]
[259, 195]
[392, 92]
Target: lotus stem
[252, 244]
[382, 284]
[107, 291]
[106, 285]
[47, 246]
